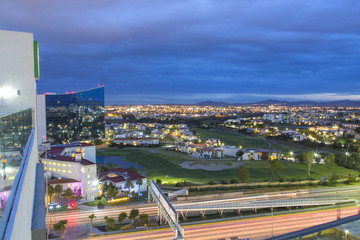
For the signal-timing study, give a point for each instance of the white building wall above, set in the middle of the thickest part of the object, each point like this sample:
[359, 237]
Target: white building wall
[18, 92]
[230, 150]
[41, 118]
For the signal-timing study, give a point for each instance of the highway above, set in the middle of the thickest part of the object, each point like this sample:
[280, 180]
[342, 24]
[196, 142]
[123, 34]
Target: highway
[254, 228]
[79, 221]
[80, 217]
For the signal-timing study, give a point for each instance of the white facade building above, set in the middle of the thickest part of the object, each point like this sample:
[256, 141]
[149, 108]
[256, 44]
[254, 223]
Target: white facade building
[119, 176]
[74, 161]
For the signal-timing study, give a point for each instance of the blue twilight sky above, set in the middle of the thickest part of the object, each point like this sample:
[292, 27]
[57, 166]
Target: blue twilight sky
[186, 51]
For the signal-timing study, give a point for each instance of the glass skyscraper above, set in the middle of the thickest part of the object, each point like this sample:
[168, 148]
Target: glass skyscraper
[75, 116]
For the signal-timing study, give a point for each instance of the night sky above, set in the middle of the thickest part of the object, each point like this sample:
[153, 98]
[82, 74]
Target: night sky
[186, 51]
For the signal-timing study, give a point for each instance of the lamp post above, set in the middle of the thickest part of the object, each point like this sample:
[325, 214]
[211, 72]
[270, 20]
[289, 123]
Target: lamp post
[346, 233]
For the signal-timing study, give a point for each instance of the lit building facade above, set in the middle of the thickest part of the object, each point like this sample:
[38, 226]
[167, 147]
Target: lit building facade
[72, 166]
[22, 186]
[75, 116]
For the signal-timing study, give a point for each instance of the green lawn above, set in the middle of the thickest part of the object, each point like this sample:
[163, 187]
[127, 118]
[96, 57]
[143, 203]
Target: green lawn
[233, 139]
[165, 165]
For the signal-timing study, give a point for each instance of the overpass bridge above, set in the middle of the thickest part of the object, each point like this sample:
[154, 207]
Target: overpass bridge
[186, 208]
[170, 213]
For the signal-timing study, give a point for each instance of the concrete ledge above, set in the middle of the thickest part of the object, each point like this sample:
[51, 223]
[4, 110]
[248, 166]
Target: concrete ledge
[38, 227]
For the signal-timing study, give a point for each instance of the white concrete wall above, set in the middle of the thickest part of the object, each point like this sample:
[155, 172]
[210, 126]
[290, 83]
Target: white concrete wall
[17, 74]
[22, 221]
[41, 118]
[90, 152]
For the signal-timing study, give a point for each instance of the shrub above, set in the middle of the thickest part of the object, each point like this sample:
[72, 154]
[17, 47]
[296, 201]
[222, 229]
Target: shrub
[152, 224]
[233, 180]
[211, 183]
[127, 227]
[98, 142]
[223, 181]
[100, 206]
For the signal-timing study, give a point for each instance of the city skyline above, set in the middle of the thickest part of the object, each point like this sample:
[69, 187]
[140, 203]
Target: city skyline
[192, 51]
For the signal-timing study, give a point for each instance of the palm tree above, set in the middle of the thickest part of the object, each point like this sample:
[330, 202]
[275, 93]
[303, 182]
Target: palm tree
[51, 191]
[92, 216]
[139, 182]
[58, 190]
[106, 222]
[129, 185]
[69, 194]
[61, 226]
[113, 192]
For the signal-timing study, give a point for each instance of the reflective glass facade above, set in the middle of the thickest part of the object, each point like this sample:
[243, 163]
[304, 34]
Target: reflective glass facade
[15, 130]
[75, 116]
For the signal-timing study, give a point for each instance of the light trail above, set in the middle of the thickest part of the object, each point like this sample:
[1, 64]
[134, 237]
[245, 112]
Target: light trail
[255, 228]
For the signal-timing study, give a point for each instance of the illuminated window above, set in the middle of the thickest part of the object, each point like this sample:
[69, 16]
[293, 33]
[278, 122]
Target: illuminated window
[88, 188]
[69, 165]
[73, 184]
[50, 168]
[88, 176]
[69, 171]
[59, 164]
[11, 178]
[64, 171]
[59, 170]
[44, 161]
[64, 165]
[45, 168]
[88, 182]
[68, 185]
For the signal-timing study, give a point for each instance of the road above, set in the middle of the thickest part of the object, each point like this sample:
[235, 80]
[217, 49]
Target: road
[77, 220]
[254, 228]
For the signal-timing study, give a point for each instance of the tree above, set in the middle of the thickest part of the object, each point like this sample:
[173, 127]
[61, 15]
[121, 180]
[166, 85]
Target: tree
[333, 180]
[122, 217]
[308, 157]
[51, 191]
[98, 142]
[110, 222]
[330, 162]
[61, 226]
[133, 213]
[158, 181]
[144, 218]
[275, 166]
[92, 216]
[139, 182]
[240, 153]
[351, 179]
[113, 191]
[106, 222]
[69, 194]
[58, 190]
[357, 130]
[243, 174]
[129, 185]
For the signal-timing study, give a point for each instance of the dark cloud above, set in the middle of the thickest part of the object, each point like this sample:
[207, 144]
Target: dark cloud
[190, 50]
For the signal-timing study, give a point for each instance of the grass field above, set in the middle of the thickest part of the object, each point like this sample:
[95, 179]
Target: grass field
[256, 141]
[165, 165]
[233, 139]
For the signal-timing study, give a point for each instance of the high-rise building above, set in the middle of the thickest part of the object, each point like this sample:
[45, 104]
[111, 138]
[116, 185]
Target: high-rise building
[22, 188]
[75, 116]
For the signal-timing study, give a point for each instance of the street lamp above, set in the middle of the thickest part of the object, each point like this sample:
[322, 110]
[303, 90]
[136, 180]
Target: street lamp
[346, 233]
